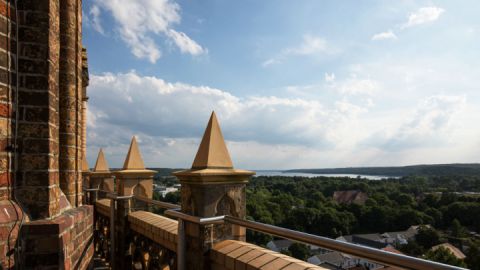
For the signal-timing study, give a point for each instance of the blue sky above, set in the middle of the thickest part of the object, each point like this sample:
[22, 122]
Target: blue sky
[295, 84]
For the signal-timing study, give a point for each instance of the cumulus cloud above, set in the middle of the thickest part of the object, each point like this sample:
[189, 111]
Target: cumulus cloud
[431, 124]
[94, 19]
[184, 43]
[310, 45]
[140, 22]
[270, 131]
[173, 115]
[329, 77]
[354, 86]
[423, 15]
[385, 35]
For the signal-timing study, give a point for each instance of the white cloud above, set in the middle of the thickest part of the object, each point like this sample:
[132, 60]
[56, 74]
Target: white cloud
[95, 20]
[162, 113]
[355, 86]
[329, 77]
[431, 124]
[274, 132]
[184, 43]
[385, 35]
[139, 22]
[310, 45]
[423, 15]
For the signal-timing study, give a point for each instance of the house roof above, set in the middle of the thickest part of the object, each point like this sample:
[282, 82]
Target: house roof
[454, 250]
[334, 257]
[282, 243]
[350, 196]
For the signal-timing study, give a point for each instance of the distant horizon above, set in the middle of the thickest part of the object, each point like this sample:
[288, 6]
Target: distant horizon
[320, 168]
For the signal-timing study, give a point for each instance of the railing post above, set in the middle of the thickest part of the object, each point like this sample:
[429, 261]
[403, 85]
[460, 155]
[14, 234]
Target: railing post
[181, 247]
[133, 179]
[212, 187]
[113, 257]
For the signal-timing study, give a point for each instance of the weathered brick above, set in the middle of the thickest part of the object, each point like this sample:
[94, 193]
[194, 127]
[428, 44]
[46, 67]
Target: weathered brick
[4, 123]
[4, 93]
[37, 114]
[8, 44]
[5, 110]
[5, 179]
[7, 78]
[34, 51]
[35, 35]
[7, 10]
[35, 82]
[4, 24]
[32, 66]
[4, 58]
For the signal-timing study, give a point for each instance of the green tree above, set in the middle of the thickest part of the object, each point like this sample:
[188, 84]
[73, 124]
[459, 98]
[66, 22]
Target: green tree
[299, 251]
[457, 229]
[443, 255]
[473, 256]
[427, 237]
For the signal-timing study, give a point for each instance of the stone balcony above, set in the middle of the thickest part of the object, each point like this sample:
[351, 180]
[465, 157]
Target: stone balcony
[208, 229]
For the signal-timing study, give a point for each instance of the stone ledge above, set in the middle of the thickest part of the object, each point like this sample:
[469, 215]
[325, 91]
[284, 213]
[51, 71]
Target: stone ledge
[61, 243]
[237, 255]
[161, 230]
[102, 206]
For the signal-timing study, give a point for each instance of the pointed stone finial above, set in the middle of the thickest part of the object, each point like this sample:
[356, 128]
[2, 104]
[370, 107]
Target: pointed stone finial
[85, 167]
[212, 152]
[134, 159]
[213, 164]
[101, 165]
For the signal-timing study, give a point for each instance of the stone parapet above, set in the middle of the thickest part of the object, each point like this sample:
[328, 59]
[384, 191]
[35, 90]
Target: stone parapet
[237, 255]
[102, 206]
[65, 242]
[161, 230]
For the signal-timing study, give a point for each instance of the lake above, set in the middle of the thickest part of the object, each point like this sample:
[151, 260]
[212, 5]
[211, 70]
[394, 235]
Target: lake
[310, 175]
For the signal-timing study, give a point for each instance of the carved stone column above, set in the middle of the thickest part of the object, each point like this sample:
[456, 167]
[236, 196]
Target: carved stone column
[133, 179]
[212, 187]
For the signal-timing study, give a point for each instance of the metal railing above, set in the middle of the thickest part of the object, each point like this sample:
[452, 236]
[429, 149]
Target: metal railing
[372, 254]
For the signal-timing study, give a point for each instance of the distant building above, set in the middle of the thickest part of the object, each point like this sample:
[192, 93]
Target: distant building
[279, 245]
[338, 260]
[454, 250]
[163, 190]
[350, 196]
[377, 240]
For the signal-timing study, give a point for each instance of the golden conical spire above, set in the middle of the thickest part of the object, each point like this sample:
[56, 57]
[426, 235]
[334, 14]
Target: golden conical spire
[85, 167]
[101, 165]
[212, 152]
[134, 159]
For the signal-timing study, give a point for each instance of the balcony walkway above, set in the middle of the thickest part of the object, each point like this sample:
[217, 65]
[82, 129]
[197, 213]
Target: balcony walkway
[161, 230]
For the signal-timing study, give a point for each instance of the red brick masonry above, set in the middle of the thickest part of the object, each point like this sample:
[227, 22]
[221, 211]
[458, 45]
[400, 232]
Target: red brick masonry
[65, 242]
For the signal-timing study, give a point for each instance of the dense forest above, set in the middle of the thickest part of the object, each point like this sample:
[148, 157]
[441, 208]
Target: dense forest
[418, 170]
[449, 204]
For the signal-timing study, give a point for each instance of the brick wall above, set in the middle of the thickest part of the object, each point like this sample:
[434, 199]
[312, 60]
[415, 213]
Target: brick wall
[65, 242]
[10, 212]
[50, 96]
[38, 188]
[70, 105]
